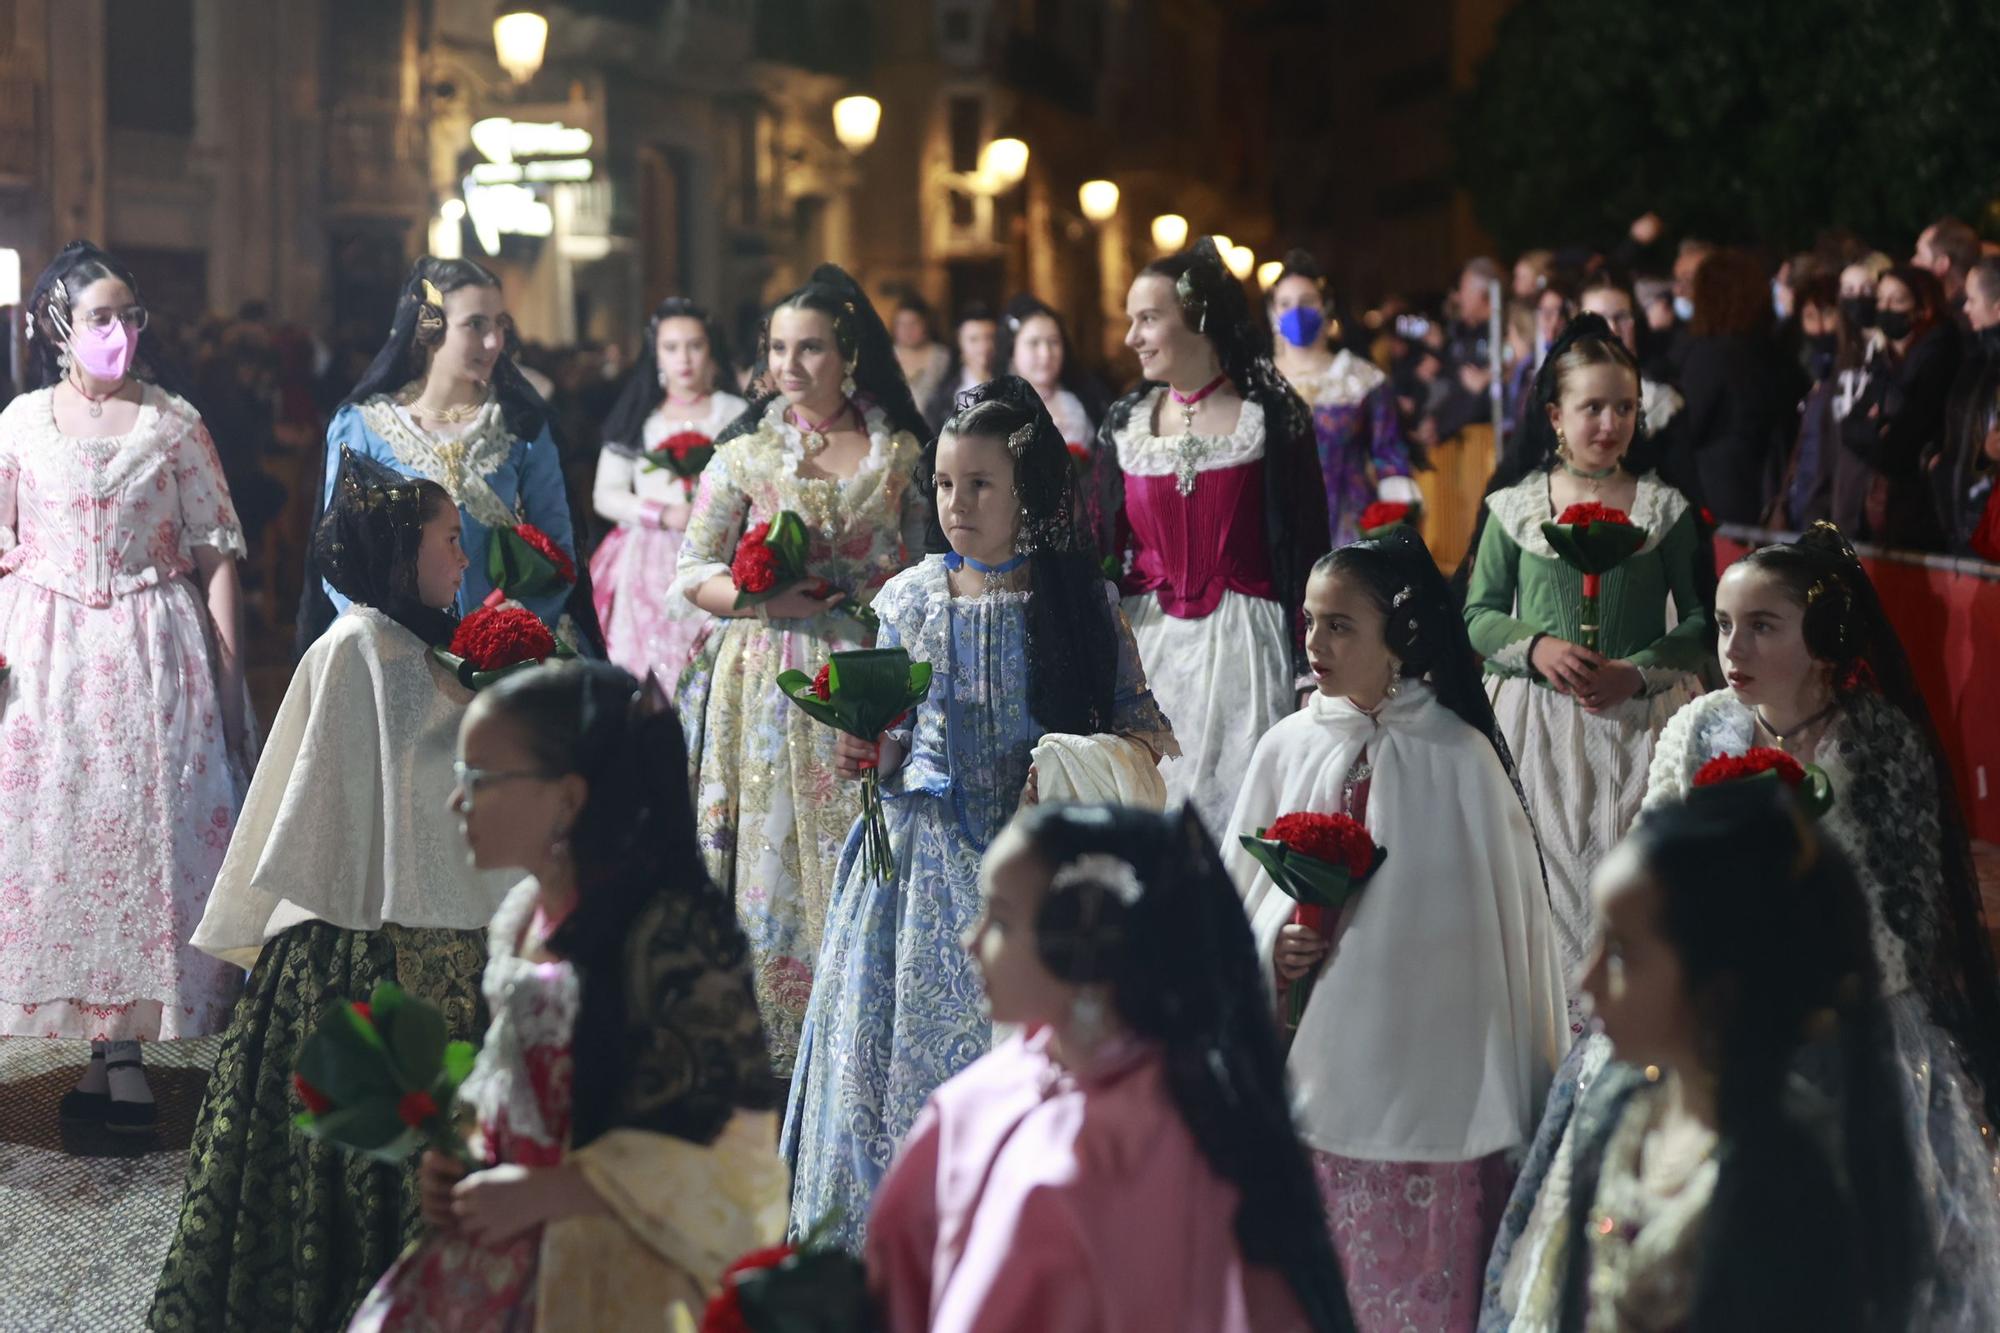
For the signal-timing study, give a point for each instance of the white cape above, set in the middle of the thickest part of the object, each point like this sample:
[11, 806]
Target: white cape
[345, 821]
[1437, 1023]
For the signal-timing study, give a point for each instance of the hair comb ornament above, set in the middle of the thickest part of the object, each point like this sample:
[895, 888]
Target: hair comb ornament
[1018, 442]
[430, 309]
[1403, 594]
[1113, 874]
[58, 307]
[1193, 304]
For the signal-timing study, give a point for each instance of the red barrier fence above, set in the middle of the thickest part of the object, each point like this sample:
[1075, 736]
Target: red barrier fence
[1947, 611]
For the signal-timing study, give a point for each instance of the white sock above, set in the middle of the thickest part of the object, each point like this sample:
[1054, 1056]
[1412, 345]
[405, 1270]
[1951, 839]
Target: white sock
[129, 1084]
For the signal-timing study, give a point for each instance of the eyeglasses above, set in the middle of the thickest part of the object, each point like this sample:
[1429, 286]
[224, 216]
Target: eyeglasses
[133, 317]
[470, 779]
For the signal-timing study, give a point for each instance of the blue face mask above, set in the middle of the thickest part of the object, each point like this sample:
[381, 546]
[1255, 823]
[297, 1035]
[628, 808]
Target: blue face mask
[1302, 325]
[1683, 308]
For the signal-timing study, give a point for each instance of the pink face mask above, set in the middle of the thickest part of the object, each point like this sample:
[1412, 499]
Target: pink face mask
[104, 354]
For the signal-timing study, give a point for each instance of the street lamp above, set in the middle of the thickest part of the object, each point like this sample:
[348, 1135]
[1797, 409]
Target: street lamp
[1169, 231]
[1098, 199]
[1268, 273]
[1241, 259]
[1002, 164]
[855, 122]
[521, 37]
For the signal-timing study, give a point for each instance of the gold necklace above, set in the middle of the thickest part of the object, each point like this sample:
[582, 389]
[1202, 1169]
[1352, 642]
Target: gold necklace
[1798, 728]
[444, 416]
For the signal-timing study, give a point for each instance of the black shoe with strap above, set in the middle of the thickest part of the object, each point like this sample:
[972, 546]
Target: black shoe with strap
[122, 1117]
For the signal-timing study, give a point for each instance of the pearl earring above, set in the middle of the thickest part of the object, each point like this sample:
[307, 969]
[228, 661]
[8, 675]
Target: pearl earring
[847, 384]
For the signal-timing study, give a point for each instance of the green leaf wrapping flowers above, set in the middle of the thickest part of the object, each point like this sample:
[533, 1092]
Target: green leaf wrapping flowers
[866, 691]
[1593, 540]
[523, 561]
[1808, 783]
[1313, 860]
[379, 1078]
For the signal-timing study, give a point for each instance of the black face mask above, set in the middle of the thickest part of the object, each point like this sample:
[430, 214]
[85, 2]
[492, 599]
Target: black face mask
[1820, 351]
[1860, 311]
[1895, 324]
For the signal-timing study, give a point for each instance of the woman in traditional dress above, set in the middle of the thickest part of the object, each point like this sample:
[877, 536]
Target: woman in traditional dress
[1815, 669]
[444, 400]
[1208, 502]
[1034, 344]
[1362, 454]
[346, 871]
[123, 718]
[623, 1100]
[1128, 1160]
[1436, 1020]
[833, 439]
[1581, 721]
[1716, 1189]
[671, 401]
[1024, 639]
[973, 340]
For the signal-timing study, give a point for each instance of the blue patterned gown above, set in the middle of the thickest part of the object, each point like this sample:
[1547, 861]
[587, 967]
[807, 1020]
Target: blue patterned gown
[895, 1008]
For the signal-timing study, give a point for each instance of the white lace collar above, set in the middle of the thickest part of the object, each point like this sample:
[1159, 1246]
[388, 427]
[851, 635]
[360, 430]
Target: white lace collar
[937, 588]
[1345, 381]
[460, 465]
[1144, 454]
[103, 464]
[792, 440]
[1523, 507]
[666, 419]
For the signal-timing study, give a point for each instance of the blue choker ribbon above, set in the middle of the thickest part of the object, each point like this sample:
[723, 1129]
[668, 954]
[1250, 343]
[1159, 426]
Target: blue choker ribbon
[955, 562]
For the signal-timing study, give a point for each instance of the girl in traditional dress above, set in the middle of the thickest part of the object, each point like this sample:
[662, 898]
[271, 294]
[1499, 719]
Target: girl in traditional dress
[124, 722]
[1717, 1189]
[1436, 1021]
[1362, 454]
[835, 441]
[346, 871]
[1034, 344]
[1024, 638]
[1128, 1161]
[1579, 721]
[623, 1099]
[1815, 669]
[444, 400]
[671, 399]
[1209, 503]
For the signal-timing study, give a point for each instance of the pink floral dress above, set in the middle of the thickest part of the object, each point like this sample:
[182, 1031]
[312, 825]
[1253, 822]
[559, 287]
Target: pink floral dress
[520, 1091]
[117, 791]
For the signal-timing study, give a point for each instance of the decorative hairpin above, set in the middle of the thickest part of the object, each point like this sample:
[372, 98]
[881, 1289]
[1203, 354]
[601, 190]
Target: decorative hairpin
[1193, 304]
[59, 307]
[1403, 595]
[1114, 874]
[1020, 439]
[432, 296]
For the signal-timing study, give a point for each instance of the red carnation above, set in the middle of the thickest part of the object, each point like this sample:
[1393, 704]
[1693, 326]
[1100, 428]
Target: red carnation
[315, 1101]
[1763, 759]
[500, 637]
[1384, 513]
[1335, 839]
[823, 682]
[363, 1012]
[546, 547]
[1706, 517]
[682, 443]
[1593, 512]
[1080, 453]
[755, 568]
[415, 1108]
[725, 1312]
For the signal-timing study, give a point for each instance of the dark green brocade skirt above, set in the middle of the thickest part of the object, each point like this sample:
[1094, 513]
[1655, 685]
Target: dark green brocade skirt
[277, 1230]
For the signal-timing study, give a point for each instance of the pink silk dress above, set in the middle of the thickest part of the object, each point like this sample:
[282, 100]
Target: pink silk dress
[117, 789]
[1030, 1200]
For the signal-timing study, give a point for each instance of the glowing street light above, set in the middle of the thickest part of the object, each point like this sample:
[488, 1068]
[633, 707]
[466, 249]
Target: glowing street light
[1268, 273]
[1170, 231]
[855, 122]
[521, 37]
[1098, 199]
[1241, 259]
[1002, 164]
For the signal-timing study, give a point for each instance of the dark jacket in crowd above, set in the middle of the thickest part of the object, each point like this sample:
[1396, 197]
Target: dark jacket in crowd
[1897, 422]
[1959, 475]
[1739, 422]
[1457, 406]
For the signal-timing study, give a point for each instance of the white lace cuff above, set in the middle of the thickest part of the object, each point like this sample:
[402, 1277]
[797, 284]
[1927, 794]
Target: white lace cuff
[1514, 657]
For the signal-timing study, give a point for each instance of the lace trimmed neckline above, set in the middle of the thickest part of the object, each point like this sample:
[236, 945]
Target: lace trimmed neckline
[792, 440]
[1141, 453]
[1523, 507]
[148, 416]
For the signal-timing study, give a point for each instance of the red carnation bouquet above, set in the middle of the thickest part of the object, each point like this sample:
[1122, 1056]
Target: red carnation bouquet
[495, 641]
[1593, 540]
[1319, 861]
[810, 1287]
[772, 557]
[863, 692]
[523, 561]
[1378, 518]
[1808, 782]
[684, 453]
[379, 1078]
